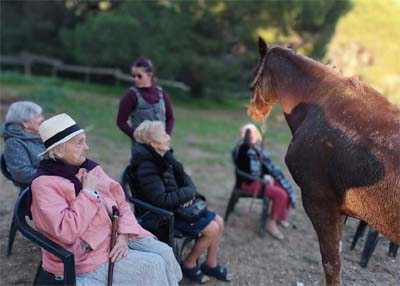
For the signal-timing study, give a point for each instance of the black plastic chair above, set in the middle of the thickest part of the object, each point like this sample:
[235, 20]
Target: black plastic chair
[238, 193]
[370, 244]
[21, 212]
[156, 225]
[13, 227]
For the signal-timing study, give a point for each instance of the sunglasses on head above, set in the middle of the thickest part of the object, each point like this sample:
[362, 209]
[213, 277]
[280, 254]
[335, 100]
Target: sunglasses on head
[137, 75]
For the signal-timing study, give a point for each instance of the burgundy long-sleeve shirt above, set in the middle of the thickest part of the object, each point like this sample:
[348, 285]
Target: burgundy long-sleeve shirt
[150, 95]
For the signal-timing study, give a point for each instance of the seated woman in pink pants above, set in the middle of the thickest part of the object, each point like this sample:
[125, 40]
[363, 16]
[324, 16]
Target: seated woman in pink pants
[250, 158]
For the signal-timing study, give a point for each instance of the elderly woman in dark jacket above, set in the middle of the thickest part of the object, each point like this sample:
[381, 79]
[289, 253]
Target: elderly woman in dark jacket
[160, 180]
[250, 158]
[22, 142]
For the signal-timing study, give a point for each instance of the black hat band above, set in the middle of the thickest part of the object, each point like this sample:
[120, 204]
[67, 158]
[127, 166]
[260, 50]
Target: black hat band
[61, 135]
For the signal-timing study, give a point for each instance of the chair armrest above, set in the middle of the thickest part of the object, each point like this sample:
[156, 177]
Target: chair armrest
[247, 175]
[150, 207]
[66, 257]
[168, 215]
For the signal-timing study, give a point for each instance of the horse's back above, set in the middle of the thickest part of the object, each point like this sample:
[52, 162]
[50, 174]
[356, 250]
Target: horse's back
[366, 120]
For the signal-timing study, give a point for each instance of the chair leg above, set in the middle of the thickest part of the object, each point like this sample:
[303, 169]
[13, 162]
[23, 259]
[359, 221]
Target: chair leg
[264, 216]
[36, 280]
[179, 245]
[177, 249]
[359, 232]
[370, 245]
[11, 236]
[185, 244]
[231, 204]
[393, 248]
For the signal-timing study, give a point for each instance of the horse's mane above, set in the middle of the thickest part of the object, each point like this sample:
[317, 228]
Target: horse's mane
[309, 65]
[360, 87]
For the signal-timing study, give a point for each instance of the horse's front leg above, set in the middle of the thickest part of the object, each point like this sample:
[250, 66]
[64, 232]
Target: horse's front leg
[328, 224]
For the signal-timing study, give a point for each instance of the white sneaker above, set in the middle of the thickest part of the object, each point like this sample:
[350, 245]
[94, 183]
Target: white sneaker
[284, 223]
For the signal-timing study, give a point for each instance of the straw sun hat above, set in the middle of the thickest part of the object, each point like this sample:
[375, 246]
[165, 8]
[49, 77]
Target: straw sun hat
[57, 130]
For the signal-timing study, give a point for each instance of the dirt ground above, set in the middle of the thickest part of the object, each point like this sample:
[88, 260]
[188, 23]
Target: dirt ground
[252, 260]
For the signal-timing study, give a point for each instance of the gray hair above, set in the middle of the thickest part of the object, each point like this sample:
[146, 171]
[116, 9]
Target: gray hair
[22, 111]
[253, 129]
[143, 133]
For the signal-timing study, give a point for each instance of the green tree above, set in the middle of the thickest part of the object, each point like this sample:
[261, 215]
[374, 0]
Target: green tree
[33, 26]
[209, 45]
[103, 40]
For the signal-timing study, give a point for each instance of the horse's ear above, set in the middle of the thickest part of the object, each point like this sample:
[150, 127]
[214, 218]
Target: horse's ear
[262, 47]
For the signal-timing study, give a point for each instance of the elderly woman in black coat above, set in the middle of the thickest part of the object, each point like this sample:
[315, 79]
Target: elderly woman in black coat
[160, 180]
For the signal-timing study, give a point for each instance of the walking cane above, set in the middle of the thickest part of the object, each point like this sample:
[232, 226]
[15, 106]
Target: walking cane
[114, 228]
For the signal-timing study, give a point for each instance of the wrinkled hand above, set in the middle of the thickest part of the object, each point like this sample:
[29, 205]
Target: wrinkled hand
[89, 181]
[120, 248]
[187, 203]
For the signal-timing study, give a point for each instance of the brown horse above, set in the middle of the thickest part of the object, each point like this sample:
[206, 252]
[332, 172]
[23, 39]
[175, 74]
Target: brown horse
[345, 150]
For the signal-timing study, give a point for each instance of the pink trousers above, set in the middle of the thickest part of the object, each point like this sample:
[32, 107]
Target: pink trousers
[275, 192]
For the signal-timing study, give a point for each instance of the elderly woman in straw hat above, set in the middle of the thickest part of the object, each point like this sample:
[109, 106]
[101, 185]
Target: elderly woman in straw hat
[22, 142]
[250, 158]
[72, 200]
[161, 180]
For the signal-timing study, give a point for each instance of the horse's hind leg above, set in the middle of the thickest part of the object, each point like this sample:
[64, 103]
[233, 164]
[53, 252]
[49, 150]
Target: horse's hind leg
[328, 224]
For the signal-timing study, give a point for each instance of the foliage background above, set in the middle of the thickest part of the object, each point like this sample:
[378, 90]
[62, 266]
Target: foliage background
[210, 44]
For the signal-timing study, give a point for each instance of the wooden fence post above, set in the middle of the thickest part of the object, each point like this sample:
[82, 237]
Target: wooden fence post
[27, 67]
[87, 73]
[116, 76]
[54, 70]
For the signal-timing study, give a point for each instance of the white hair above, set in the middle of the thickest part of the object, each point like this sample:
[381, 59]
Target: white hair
[22, 111]
[51, 154]
[144, 132]
[253, 129]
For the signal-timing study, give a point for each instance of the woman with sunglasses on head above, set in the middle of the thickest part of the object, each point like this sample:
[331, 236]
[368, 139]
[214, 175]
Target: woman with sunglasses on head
[144, 101]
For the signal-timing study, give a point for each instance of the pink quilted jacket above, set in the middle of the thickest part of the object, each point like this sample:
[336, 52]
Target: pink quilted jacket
[81, 224]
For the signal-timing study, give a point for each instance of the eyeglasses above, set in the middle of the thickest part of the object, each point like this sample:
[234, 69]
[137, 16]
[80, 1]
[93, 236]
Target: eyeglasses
[137, 75]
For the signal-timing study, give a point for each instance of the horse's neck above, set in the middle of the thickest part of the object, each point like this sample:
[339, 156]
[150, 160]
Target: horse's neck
[298, 83]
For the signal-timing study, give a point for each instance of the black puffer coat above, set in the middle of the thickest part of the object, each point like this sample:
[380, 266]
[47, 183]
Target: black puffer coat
[160, 181]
